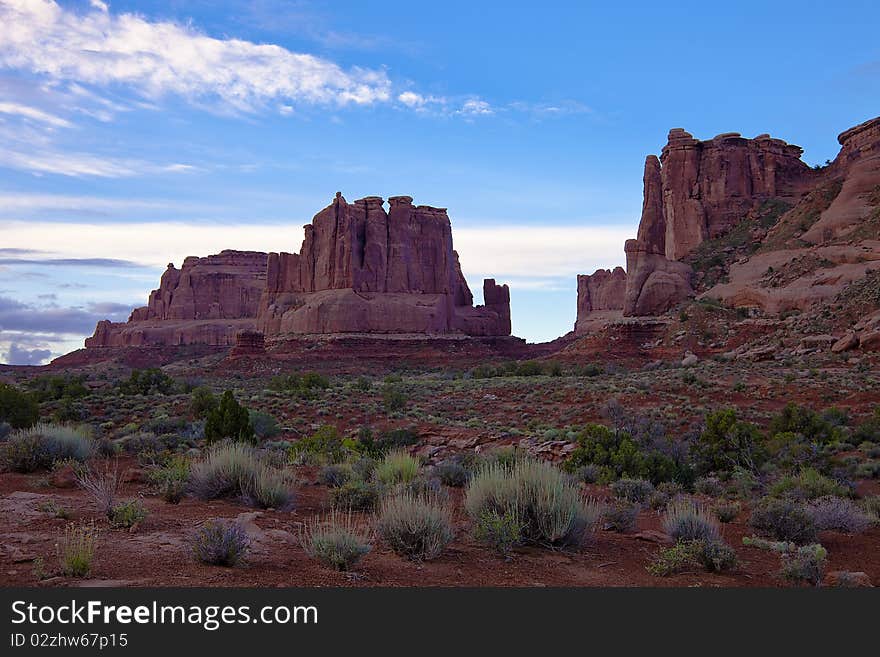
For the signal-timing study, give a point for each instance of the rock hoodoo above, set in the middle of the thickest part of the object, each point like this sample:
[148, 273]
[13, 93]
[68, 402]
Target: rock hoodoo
[360, 270]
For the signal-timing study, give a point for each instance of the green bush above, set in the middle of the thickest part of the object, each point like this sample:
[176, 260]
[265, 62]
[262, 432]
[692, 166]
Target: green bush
[229, 420]
[355, 495]
[54, 387]
[809, 424]
[398, 467]
[171, 478]
[336, 541]
[128, 514]
[202, 402]
[416, 527]
[265, 426]
[727, 511]
[726, 443]
[809, 484]
[500, 532]
[38, 447]
[325, 442]
[452, 473]
[393, 398]
[17, 408]
[548, 505]
[713, 555]
[151, 381]
[807, 564]
[616, 454]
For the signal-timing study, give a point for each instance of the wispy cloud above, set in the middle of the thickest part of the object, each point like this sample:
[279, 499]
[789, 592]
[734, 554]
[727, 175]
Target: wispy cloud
[158, 58]
[77, 165]
[34, 114]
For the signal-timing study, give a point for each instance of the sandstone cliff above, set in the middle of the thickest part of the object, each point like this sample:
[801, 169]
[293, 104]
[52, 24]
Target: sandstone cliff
[718, 215]
[364, 270]
[360, 270]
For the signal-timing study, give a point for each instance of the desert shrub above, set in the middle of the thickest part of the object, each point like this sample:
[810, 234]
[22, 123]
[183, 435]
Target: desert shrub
[57, 386]
[710, 486]
[871, 505]
[355, 495]
[415, 527]
[38, 447]
[393, 398]
[869, 470]
[809, 484]
[790, 451]
[336, 541]
[634, 490]
[713, 555]
[202, 402]
[620, 516]
[716, 556]
[335, 475]
[783, 520]
[236, 470]
[587, 473]
[147, 382]
[726, 443]
[398, 467]
[684, 520]
[17, 408]
[229, 420]
[806, 564]
[549, 507]
[269, 488]
[76, 549]
[325, 443]
[500, 532]
[452, 473]
[265, 425]
[308, 385]
[101, 486]
[369, 444]
[727, 511]
[673, 560]
[809, 424]
[171, 478]
[220, 543]
[127, 514]
[838, 514]
[617, 454]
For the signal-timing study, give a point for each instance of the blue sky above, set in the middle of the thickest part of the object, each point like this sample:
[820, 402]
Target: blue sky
[135, 133]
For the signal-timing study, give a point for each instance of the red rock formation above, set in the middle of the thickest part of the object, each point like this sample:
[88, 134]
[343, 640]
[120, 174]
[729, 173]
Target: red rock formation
[698, 190]
[249, 343]
[709, 186]
[206, 301]
[362, 270]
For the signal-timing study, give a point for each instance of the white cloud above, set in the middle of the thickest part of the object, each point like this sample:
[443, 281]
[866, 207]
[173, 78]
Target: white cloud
[15, 203]
[34, 114]
[83, 164]
[157, 58]
[476, 107]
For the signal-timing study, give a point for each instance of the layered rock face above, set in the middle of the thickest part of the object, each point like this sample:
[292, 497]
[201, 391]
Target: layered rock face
[696, 190]
[364, 270]
[600, 294]
[360, 270]
[206, 301]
